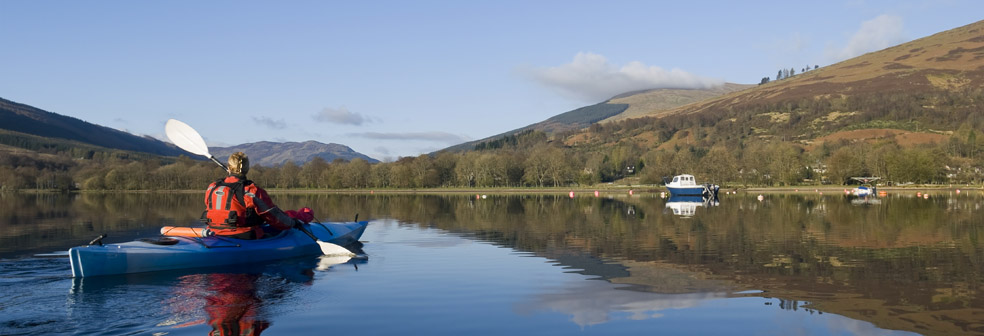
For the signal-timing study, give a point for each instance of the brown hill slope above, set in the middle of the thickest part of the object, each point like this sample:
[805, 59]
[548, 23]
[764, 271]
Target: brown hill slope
[949, 61]
[624, 106]
[932, 85]
[651, 102]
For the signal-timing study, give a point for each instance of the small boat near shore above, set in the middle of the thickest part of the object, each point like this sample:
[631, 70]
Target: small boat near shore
[686, 185]
[866, 188]
[863, 191]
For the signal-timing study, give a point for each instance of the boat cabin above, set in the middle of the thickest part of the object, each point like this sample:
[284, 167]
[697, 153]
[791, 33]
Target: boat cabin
[684, 180]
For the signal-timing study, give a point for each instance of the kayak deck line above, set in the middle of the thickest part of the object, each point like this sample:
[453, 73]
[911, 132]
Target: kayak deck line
[193, 252]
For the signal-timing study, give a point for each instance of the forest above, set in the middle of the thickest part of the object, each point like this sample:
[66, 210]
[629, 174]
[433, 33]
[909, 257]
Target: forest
[767, 144]
[537, 164]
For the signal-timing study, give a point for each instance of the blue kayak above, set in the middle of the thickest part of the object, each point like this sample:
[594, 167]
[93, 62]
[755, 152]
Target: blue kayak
[179, 252]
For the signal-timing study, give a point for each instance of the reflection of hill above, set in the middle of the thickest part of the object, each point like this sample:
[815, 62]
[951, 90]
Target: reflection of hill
[587, 264]
[902, 261]
[908, 263]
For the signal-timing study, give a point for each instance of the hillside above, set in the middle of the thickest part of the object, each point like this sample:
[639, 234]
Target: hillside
[930, 87]
[30, 120]
[651, 102]
[277, 153]
[926, 85]
[624, 106]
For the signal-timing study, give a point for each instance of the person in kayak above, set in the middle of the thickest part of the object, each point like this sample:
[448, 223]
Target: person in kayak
[237, 208]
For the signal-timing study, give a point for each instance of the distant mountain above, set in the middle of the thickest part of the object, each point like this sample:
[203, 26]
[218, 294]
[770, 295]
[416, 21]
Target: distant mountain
[269, 154]
[34, 121]
[623, 106]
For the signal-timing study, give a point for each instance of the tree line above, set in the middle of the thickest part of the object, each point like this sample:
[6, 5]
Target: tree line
[543, 164]
[756, 144]
[787, 73]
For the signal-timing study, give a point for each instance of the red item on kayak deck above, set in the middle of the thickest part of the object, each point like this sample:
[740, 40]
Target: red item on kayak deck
[304, 214]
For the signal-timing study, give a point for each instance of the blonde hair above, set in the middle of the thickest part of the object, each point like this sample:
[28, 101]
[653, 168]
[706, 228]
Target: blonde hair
[238, 163]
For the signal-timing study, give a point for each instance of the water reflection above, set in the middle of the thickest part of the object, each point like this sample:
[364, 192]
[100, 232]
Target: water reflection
[908, 263]
[224, 300]
[232, 303]
[686, 206]
[596, 302]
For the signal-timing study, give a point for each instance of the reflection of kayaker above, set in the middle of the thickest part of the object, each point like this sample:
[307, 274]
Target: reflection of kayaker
[237, 208]
[232, 304]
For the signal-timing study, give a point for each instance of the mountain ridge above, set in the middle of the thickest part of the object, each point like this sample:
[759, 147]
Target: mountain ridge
[30, 126]
[268, 153]
[27, 119]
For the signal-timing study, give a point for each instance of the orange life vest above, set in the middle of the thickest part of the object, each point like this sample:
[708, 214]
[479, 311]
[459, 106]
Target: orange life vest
[226, 209]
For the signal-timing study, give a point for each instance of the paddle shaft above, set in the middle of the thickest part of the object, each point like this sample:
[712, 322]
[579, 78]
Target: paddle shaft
[308, 233]
[218, 163]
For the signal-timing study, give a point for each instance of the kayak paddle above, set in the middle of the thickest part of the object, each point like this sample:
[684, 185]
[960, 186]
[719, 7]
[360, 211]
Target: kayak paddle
[327, 248]
[187, 138]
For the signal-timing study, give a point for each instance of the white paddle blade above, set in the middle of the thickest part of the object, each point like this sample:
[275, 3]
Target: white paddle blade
[186, 137]
[326, 262]
[330, 249]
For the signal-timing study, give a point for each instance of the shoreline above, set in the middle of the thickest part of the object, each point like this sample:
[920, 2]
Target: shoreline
[608, 189]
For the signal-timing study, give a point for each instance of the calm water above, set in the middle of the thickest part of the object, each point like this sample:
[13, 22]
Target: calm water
[542, 264]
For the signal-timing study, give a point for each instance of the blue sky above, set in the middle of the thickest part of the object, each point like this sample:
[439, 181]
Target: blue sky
[402, 78]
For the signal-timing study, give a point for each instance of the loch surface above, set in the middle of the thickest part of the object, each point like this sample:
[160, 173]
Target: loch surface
[523, 264]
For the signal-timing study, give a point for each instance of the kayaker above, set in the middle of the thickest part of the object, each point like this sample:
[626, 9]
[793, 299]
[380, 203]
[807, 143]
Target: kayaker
[237, 208]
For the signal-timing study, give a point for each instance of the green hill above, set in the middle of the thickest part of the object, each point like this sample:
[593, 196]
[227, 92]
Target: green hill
[30, 120]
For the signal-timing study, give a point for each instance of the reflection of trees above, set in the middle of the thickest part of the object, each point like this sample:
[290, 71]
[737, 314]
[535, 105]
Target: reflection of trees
[49, 221]
[916, 256]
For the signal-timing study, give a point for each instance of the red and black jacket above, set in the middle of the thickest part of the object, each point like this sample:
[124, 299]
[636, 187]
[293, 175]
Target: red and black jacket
[236, 207]
[226, 207]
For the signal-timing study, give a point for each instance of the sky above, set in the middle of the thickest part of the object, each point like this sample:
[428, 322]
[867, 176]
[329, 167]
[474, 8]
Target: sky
[402, 78]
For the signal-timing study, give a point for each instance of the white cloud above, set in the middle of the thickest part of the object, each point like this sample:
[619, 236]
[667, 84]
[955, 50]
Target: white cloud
[876, 34]
[270, 122]
[442, 137]
[340, 115]
[591, 78]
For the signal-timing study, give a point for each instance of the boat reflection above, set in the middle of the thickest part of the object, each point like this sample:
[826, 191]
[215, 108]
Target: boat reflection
[686, 206]
[865, 200]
